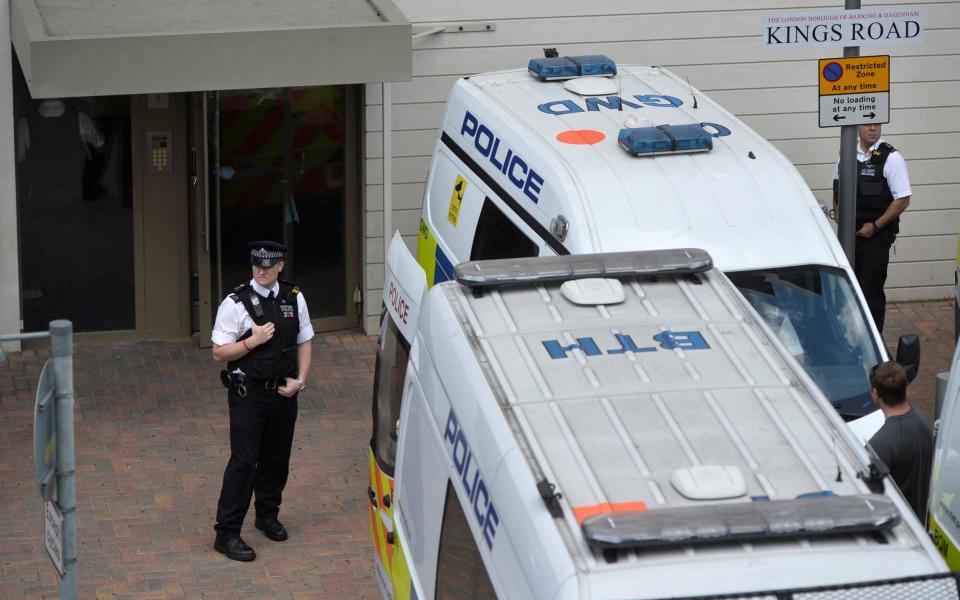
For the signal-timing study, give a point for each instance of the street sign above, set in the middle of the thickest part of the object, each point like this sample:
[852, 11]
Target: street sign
[854, 90]
[45, 432]
[53, 534]
[860, 27]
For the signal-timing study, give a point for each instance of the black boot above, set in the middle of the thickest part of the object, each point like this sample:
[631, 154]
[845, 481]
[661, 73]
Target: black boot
[272, 528]
[234, 547]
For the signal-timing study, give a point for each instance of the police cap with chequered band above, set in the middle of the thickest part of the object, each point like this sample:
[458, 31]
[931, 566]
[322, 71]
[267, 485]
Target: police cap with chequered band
[266, 253]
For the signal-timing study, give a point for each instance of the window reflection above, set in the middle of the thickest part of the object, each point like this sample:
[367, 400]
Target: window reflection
[74, 203]
[281, 177]
[814, 312]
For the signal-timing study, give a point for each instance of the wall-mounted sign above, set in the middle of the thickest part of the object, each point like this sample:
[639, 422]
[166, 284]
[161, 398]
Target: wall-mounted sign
[880, 25]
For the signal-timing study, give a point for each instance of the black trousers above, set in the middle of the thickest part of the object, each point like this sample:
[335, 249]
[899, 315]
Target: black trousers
[871, 257]
[261, 437]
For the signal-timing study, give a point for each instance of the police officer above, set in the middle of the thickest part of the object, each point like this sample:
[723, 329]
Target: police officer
[263, 332]
[883, 192]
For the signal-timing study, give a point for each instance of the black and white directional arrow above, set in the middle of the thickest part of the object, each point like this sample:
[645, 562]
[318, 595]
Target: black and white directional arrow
[871, 115]
[838, 117]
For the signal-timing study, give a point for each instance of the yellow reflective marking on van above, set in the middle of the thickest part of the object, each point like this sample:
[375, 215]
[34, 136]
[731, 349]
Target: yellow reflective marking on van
[456, 199]
[400, 573]
[389, 555]
[427, 252]
[946, 548]
[376, 528]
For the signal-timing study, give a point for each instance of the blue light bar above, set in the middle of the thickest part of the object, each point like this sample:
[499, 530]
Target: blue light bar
[568, 67]
[665, 139]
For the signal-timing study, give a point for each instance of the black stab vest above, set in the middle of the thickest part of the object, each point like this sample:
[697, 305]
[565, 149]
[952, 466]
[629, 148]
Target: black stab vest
[873, 192]
[278, 357]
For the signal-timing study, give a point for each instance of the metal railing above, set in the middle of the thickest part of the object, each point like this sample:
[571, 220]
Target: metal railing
[55, 451]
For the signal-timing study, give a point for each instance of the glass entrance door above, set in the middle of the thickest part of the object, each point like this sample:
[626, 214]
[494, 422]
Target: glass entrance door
[282, 169]
[76, 210]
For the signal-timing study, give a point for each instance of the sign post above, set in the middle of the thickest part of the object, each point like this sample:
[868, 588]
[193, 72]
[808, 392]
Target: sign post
[61, 347]
[847, 172]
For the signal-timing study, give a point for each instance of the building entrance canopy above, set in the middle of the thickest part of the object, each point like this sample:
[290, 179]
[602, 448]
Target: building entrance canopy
[102, 47]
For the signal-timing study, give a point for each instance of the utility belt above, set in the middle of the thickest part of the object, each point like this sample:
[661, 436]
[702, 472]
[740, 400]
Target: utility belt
[240, 382]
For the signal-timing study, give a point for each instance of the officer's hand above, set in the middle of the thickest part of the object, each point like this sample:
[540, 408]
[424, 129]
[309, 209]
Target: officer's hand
[262, 333]
[866, 231]
[289, 388]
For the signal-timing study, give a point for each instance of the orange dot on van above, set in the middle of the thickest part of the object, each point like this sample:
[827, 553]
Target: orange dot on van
[580, 136]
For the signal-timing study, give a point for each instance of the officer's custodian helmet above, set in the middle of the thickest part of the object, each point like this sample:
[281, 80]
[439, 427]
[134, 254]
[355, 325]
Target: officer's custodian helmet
[266, 253]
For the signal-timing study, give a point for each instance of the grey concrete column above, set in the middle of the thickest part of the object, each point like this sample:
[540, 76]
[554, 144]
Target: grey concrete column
[9, 256]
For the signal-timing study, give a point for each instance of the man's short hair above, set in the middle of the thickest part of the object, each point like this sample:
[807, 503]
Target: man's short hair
[890, 381]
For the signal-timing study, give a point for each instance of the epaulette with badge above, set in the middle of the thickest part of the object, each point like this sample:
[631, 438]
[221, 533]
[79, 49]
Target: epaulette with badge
[294, 289]
[235, 295]
[882, 152]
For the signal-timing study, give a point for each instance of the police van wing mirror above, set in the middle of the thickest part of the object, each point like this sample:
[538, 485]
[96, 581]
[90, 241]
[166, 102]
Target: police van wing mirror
[908, 354]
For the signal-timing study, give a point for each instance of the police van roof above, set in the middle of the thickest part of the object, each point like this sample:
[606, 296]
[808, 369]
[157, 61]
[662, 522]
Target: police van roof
[742, 201]
[675, 398]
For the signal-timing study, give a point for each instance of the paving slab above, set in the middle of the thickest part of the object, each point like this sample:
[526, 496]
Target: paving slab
[152, 437]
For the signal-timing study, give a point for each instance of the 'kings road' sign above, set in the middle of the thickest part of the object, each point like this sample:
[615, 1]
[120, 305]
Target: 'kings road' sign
[876, 25]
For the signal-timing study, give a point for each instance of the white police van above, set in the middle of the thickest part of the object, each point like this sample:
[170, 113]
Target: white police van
[618, 426]
[944, 509]
[551, 160]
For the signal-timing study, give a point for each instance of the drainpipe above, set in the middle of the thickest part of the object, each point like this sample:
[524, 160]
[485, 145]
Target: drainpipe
[387, 170]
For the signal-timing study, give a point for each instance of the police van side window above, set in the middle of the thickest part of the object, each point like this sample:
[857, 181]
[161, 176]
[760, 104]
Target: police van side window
[388, 378]
[460, 570]
[498, 237]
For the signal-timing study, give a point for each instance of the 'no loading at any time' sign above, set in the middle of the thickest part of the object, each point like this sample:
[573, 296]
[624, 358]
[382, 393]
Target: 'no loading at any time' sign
[854, 90]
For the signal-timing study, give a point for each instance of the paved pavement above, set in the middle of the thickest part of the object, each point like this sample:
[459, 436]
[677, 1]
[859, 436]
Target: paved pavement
[152, 438]
[152, 442]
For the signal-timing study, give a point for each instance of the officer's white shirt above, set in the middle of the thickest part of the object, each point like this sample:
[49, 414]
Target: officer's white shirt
[894, 170]
[233, 320]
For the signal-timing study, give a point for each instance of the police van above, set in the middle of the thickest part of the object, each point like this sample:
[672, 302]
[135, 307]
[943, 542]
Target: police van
[944, 508]
[579, 155]
[618, 425]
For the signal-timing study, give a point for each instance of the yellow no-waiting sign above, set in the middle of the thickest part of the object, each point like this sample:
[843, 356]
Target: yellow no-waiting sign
[854, 75]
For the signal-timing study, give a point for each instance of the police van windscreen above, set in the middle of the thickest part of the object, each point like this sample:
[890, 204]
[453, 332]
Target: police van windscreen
[814, 312]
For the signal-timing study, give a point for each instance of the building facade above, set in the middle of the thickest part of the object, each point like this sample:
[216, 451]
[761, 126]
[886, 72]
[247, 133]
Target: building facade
[718, 47]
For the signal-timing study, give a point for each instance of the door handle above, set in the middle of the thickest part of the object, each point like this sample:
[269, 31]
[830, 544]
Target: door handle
[193, 167]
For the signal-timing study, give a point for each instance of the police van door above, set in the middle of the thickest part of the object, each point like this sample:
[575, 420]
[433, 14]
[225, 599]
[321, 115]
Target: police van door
[403, 290]
[464, 218]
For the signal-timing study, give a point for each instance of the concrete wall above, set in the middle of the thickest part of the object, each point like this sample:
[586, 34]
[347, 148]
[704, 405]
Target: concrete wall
[717, 45]
[9, 265]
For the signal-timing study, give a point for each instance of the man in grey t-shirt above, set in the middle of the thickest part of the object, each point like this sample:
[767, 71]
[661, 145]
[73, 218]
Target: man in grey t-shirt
[905, 442]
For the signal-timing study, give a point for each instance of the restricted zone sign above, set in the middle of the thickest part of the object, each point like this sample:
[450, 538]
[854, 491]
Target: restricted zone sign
[854, 90]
